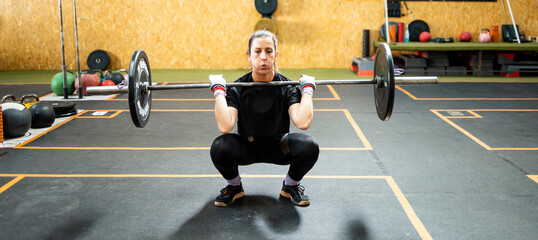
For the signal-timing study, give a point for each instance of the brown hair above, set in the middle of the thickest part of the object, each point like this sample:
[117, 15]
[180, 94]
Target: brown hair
[260, 34]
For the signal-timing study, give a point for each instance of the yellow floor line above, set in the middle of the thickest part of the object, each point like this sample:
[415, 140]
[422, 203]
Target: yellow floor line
[533, 177]
[419, 227]
[422, 231]
[11, 183]
[462, 99]
[475, 115]
[177, 176]
[468, 134]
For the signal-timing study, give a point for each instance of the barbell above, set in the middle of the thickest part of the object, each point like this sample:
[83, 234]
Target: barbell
[140, 86]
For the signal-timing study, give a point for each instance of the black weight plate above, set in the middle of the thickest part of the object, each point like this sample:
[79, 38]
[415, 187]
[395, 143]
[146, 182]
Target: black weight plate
[61, 108]
[266, 7]
[383, 32]
[66, 114]
[384, 75]
[416, 28]
[98, 59]
[139, 96]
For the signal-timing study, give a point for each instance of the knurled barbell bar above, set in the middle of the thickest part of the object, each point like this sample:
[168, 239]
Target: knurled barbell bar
[140, 86]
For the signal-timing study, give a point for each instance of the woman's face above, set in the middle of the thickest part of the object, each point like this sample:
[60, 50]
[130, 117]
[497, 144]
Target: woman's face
[262, 55]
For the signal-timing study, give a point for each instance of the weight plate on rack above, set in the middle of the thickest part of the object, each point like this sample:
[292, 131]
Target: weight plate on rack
[139, 94]
[266, 24]
[416, 28]
[383, 32]
[384, 75]
[98, 59]
[266, 7]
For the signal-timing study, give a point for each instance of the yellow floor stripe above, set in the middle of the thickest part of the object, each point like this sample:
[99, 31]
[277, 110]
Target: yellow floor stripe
[355, 126]
[115, 148]
[419, 227]
[422, 231]
[533, 177]
[358, 130]
[333, 92]
[473, 112]
[462, 99]
[436, 112]
[161, 148]
[11, 183]
[177, 176]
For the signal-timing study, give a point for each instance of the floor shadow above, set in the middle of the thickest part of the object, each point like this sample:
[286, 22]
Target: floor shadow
[357, 230]
[241, 220]
[74, 229]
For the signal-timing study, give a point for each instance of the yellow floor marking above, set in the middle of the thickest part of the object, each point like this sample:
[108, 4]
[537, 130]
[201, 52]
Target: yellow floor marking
[422, 231]
[406, 92]
[52, 128]
[472, 111]
[115, 148]
[461, 99]
[335, 95]
[11, 183]
[111, 116]
[161, 148]
[180, 176]
[46, 95]
[357, 129]
[408, 209]
[533, 177]
[484, 145]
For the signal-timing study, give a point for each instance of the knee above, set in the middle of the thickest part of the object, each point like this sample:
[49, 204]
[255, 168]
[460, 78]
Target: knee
[224, 147]
[300, 144]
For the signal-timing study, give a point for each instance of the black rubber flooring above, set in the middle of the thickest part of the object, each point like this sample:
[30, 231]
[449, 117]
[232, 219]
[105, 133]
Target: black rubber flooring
[455, 161]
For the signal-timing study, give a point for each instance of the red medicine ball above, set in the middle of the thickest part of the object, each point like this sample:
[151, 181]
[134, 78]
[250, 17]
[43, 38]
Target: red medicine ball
[425, 37]
[465, 37]
[108, 83]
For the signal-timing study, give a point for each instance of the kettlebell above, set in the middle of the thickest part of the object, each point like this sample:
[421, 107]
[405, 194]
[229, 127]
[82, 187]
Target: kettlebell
[9, 98]
[125, 75]
[16, 118]
[116, 77]
[29, 100]
[484, 36]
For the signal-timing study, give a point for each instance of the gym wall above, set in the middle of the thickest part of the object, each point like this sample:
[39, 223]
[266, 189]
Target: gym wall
[203, 34]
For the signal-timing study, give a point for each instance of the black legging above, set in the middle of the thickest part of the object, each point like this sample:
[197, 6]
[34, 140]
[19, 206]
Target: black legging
[299, 150]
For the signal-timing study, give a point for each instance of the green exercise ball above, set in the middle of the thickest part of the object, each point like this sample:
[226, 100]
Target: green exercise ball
[57, 84]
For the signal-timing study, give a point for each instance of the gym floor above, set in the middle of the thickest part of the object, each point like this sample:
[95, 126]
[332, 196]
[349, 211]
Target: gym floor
[456, 161]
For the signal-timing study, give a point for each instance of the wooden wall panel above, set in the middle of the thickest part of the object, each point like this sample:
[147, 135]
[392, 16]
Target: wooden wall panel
[203, 34]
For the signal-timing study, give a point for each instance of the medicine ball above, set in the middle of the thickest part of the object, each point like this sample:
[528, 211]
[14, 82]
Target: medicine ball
[16, 119]
[117, 78]
[88, 79]
[465, 37]
[108, 83]
[425, 37]
[43, 115]
[57, 84]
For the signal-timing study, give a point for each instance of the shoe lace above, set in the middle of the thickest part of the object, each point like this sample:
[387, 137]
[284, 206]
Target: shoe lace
[224, 190]
[300, 189]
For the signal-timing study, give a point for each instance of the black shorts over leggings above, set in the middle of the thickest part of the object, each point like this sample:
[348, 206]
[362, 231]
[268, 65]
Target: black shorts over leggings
[299, 150]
